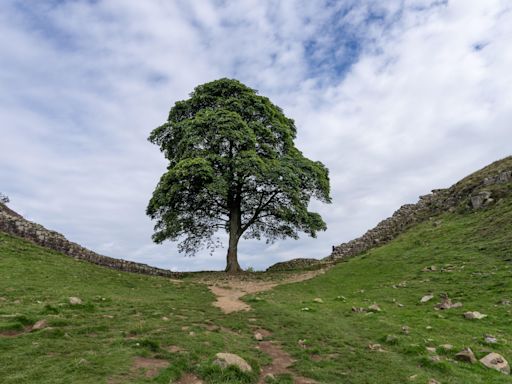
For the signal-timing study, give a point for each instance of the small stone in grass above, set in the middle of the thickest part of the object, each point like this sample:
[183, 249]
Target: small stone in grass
[466, 355]
[41, 324]
[496, 361]
[426, 298]
[490, 339]
[474, 315]
[75, 300]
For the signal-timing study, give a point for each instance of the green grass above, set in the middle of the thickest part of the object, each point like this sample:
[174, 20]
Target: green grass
[124, 316]
[476, 247]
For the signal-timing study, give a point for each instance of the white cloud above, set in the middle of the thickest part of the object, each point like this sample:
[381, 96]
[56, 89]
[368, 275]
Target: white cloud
[426, 101]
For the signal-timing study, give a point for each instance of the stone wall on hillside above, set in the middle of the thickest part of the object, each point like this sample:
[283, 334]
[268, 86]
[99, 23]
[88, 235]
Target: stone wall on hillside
[440, 200]
[475, 195]
[14, 224]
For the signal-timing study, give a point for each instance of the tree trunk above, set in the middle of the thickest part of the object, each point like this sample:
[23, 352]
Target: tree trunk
[232, 265]
[235, 230]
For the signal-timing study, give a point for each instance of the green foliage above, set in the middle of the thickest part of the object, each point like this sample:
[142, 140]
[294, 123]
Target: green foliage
[233, 166]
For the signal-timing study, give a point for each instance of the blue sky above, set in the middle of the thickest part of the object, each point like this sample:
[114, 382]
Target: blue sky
[395, 97]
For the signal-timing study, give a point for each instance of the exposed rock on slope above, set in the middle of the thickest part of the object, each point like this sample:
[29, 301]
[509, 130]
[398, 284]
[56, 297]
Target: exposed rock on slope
[14, 224]
[476, 191]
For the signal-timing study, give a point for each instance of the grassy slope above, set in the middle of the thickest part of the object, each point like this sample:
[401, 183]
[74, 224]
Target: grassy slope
[85, 346]
[477, 246]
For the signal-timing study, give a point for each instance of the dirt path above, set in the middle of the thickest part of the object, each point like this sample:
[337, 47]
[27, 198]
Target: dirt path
[281, 362]
[229, 290]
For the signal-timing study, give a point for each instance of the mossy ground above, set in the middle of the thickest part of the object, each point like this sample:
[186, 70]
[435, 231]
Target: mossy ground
[125, 315]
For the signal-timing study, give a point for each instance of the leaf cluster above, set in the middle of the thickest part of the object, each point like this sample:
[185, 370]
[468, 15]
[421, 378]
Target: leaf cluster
[231, 150]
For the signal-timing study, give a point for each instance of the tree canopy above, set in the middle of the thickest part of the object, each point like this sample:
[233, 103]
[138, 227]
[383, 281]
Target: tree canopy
[233, 166]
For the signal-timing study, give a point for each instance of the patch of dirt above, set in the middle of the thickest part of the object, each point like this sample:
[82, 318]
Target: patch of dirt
[230, 290]
[188, 378]
[173, 349]
[150, 366]
[263, 332]
[11, 333]
[281, 361]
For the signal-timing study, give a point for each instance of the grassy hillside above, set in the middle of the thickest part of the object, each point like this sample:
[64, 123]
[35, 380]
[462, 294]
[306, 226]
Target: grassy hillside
[472, 255]
[123, 316]
[141, 329]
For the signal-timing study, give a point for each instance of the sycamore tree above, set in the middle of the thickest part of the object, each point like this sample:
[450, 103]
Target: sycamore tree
[233, 166]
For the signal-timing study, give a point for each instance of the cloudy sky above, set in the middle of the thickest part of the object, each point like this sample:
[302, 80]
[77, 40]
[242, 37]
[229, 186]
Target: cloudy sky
[395, 97]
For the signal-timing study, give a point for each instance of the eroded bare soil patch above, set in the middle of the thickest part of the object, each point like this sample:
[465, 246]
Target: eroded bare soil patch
[230, 289]
[150, 366]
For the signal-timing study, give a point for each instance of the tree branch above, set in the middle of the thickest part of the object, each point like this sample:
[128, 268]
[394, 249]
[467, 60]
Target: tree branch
[258, 210]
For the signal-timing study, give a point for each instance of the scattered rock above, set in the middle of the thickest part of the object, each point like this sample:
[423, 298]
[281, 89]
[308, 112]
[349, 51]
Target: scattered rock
[374, 308]
[435, 358]
[302, 343]
[75, 300]
[375, 347]
[474, 315]
[358, 309]
[428, 328]
[481, 199]
[446, 347]
[433, 381]
[402, 284]
[258, 336]
[490, 339]
[505, 302]
[405, 329]
[413, 377]
[41, 324]
[446, 303]
[466, 355]
[496, 361]
[431, 349]
[191, 333]
[432, 268]
[426, 298]
[226, 359]
[318, 300]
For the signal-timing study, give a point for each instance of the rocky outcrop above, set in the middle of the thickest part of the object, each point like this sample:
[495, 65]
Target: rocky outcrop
[470, 193]
[14, 224]
[476, 191]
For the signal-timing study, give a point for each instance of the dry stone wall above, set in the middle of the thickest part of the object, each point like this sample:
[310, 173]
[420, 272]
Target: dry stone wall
[14, 224]
[475, 192]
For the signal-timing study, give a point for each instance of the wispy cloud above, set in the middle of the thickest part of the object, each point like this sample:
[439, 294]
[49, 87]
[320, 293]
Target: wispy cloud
[396, 98]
